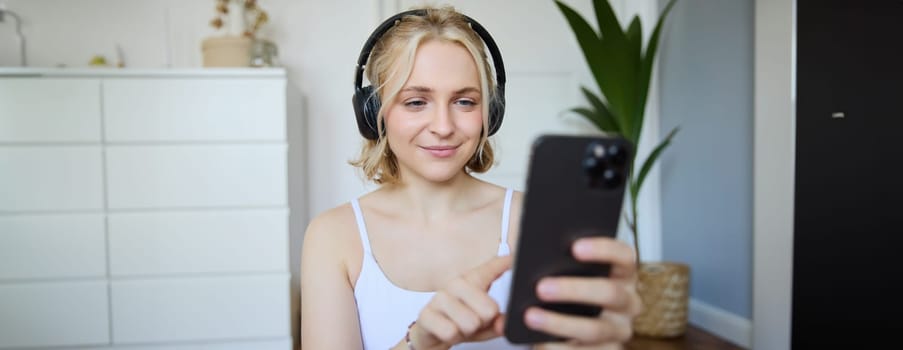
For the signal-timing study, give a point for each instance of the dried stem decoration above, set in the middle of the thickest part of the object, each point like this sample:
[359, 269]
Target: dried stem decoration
[253, 15]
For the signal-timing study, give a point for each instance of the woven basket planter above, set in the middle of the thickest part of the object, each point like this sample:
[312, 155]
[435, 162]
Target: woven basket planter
[664, 288]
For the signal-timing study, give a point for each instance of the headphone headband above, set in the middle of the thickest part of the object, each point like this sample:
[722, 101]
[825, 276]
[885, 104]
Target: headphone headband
[365, 109]
[390, 22]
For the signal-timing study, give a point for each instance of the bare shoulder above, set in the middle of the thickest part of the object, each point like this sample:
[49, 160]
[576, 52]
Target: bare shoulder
[332, 234]
[337, 219]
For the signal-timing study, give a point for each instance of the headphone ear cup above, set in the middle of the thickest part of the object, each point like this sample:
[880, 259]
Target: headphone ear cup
[366, 108]
[496, 112]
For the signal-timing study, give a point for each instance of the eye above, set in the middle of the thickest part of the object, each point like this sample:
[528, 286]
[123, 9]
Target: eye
[415, 103]
[466, 102]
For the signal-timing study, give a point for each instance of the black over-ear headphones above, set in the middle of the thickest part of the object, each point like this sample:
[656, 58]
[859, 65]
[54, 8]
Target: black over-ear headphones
[366, 103]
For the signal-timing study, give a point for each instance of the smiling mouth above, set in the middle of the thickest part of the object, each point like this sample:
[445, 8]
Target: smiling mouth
[438, 148]
[440, 151]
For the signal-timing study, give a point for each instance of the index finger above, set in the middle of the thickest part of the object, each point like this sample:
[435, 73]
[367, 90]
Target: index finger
[483, 275]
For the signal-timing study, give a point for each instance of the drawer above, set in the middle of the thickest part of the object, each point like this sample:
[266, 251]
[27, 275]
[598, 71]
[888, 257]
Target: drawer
[196, 176]
[54, 314]
[49, 110]
[52, 246]
[198, 242]
[51, 178]
[203, 308]
[194, 109]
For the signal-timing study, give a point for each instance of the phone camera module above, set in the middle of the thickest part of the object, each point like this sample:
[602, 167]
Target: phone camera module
[600, 164]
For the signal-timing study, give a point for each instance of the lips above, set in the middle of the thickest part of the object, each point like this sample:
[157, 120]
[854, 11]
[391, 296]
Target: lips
[440, 151]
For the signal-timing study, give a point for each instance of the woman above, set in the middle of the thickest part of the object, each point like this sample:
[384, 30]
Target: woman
[421, 262]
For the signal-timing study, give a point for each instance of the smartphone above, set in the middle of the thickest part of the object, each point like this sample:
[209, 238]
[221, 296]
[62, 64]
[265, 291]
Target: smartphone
[575, 188]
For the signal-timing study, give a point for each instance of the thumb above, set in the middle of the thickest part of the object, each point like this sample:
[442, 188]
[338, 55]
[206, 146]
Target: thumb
[483, 275]
[491, 331]
[499, 324]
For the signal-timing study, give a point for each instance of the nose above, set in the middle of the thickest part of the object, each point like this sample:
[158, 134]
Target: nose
[441, 123]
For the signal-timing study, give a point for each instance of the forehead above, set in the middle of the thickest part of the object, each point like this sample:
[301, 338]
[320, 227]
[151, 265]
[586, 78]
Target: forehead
[443, 64]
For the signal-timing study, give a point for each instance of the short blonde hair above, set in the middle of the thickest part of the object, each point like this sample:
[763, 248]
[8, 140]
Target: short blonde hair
[392, 60]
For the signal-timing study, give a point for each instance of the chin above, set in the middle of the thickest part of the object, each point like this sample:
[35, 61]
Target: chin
[441, 175]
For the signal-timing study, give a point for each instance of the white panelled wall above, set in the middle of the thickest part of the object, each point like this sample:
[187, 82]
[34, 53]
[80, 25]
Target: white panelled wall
[145, 208]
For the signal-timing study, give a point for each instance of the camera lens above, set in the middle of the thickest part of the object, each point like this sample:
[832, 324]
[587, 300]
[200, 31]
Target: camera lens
[617, 155]
[592, 166]
[611, 178]
[595, 150]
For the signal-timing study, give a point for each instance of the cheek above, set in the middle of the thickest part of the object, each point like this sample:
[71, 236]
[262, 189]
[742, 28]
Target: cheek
[397, 122]
[472, 123]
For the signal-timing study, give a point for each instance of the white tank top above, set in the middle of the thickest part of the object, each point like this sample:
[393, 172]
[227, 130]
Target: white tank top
[385, 310]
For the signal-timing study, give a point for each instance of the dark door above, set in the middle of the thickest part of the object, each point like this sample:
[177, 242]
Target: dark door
[848, 239]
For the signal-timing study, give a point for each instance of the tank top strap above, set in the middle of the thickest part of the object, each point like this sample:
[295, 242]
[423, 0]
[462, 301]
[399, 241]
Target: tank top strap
[361, 227]
[506, 218]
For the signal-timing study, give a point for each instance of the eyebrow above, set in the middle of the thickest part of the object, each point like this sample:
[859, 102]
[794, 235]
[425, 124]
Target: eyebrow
[426, 89]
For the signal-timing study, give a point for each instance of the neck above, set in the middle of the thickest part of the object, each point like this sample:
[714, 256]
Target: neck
[430, 201]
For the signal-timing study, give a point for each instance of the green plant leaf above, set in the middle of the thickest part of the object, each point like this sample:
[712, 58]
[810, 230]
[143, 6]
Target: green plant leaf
[645, 73]
[609, 27]
[585, 34]
[588, 40]
[634, 51]
[595, 118]
[650, 161]
[608, 59]
[635, 38]
[602, 113]
[618, 64]
[617, 81]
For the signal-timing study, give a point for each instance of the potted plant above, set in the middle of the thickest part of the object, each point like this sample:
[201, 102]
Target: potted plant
[623, 71]
[238, 22]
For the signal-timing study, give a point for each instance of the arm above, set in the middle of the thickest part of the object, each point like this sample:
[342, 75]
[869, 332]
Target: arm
[329, 318]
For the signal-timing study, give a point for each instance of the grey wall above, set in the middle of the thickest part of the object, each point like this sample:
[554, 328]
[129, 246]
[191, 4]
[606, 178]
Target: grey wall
[706, 73]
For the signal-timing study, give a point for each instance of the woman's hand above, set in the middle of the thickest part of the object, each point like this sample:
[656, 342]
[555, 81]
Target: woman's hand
[461, 312]
[616, 295]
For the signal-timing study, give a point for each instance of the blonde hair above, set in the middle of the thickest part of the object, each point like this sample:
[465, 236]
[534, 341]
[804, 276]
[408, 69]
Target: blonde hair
[392, 60]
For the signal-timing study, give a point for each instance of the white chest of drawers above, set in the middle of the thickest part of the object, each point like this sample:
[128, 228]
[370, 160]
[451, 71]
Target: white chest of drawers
[144, 209]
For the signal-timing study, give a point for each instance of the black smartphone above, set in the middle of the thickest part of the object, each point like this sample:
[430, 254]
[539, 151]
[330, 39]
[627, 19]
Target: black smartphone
[575, 188]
